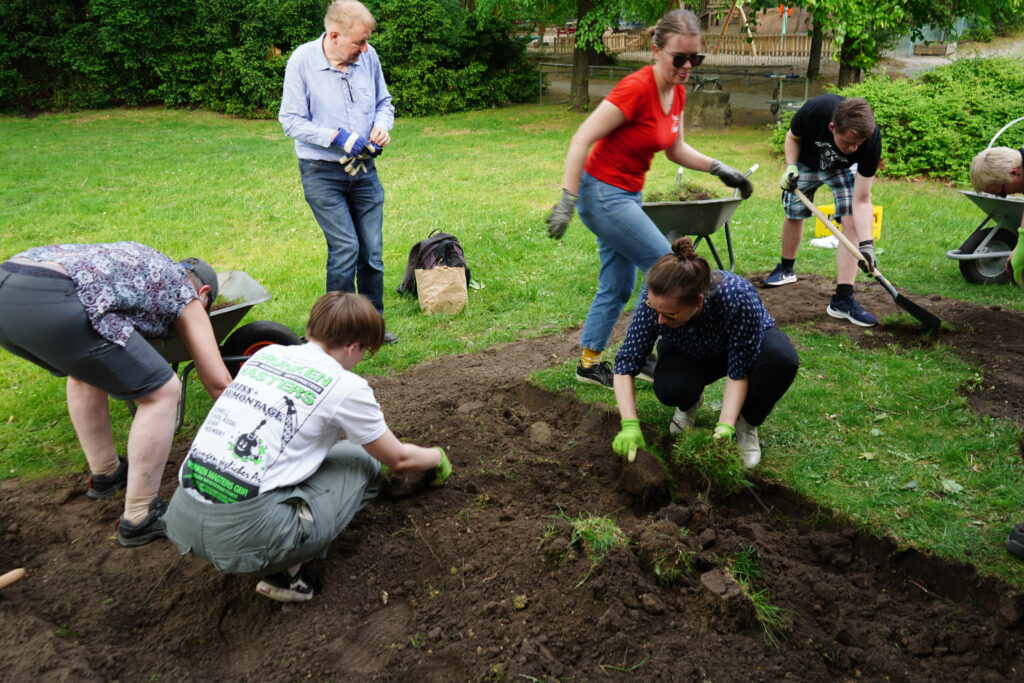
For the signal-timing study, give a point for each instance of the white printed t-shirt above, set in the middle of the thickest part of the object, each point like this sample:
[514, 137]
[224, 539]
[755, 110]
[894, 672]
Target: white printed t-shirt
[273, 425]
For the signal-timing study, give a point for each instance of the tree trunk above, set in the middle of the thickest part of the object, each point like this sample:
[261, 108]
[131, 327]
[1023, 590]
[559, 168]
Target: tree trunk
[848, 74]
[579, 90]
[814, 60]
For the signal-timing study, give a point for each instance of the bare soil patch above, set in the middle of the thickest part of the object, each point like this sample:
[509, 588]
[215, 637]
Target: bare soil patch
[476, 581]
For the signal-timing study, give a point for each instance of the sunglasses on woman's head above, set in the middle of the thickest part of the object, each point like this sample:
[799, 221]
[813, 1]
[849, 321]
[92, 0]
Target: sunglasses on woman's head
[682, 58]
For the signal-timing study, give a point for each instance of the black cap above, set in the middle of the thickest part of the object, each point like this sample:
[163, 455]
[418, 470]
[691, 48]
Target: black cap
[206, 274]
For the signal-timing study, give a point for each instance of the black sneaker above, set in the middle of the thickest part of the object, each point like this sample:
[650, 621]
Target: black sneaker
[599, 374]
[847, 308]
[286, 588]
[105, 485]
[1015, 541]
[647, 373]
[151, 528]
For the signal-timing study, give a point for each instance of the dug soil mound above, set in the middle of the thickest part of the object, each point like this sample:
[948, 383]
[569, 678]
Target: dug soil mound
[486, 579]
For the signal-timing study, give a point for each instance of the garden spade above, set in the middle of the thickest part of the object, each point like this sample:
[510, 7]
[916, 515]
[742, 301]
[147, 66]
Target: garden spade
[930, 321]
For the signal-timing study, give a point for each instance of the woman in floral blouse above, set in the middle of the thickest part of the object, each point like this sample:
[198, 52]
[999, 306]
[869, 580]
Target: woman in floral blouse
[84, 311]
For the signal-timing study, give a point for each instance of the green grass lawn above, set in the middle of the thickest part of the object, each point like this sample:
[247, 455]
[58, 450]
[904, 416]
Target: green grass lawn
[193, 183]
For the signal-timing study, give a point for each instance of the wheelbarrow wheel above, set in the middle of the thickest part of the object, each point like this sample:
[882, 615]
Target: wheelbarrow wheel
[251, 337]
[987, 271]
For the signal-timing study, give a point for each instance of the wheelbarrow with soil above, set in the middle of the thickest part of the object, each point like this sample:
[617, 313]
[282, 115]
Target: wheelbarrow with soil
[698, 217]
[237, 294]
[982, 256]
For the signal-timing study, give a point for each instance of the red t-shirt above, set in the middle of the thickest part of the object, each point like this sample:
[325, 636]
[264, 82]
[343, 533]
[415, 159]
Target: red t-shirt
[622, 157]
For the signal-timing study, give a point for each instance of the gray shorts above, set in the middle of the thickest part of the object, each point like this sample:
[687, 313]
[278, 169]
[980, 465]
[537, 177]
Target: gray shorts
[840, 182]
[271, 532]
[43, 321]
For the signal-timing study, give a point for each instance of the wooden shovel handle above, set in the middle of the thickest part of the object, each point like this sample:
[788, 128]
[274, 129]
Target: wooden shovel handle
[12, 577]
[850, 246]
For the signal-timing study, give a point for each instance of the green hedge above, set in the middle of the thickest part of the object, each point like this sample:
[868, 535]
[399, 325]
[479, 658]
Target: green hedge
[934, 124]
[229, 55]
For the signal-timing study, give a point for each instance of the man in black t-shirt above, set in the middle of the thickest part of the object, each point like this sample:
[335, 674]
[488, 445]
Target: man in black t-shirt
[831, 140]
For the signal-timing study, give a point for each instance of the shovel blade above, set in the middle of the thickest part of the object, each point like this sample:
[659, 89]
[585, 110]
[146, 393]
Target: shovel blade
[930, 321]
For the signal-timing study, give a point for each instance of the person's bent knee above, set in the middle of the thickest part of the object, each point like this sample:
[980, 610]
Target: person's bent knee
[168, 392]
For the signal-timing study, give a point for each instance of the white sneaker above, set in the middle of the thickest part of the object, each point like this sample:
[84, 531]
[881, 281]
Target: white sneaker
[685, 419]
[748, 443]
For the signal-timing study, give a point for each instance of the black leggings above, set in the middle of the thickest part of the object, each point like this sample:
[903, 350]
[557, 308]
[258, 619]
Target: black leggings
[679, 379]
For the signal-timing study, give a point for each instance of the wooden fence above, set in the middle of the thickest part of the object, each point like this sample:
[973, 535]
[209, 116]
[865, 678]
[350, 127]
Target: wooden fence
[793, 45]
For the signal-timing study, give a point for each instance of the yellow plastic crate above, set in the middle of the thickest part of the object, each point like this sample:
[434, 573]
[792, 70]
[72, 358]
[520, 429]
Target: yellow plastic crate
[830, 212]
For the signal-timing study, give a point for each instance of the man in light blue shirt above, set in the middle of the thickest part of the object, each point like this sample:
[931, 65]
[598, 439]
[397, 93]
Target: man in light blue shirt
[337, 107]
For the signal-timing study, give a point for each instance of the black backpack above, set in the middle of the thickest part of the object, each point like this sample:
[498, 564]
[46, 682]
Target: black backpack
[439, 249]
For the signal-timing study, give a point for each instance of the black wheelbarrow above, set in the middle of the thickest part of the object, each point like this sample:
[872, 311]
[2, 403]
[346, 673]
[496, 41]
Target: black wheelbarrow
[243, 292]
[701, 218]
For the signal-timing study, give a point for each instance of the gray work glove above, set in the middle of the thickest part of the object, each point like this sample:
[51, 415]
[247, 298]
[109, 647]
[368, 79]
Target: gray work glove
[561, 214]
[867, 250]
[790, 177]
[731, 177]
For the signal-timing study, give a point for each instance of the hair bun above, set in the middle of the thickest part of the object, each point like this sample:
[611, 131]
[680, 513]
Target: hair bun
[683, 248]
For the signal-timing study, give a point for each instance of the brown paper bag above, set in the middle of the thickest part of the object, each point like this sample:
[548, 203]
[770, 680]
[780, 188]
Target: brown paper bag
[441, 289]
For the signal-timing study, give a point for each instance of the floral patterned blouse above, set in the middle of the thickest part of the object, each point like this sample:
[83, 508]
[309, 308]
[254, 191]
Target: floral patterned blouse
[730, 328]
[124, 286]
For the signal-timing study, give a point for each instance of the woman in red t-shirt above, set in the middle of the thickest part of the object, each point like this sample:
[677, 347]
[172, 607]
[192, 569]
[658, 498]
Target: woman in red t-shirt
[640, 117]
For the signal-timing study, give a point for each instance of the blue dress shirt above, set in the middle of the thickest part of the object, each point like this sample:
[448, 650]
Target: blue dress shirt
[318, 99]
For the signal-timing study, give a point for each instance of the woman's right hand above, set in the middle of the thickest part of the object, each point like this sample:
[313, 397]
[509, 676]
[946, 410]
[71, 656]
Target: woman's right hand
[629, 438]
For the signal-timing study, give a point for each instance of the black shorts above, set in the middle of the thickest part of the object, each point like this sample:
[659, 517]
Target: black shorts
[43, 321]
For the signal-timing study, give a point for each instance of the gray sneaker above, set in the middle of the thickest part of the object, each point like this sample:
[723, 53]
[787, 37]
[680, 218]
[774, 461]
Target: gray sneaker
[748, 443]
[685, 419]
[151, 528]
[105, 485]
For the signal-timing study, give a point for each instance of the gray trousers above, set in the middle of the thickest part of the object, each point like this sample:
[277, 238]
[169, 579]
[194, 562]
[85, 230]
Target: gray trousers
[274, 531]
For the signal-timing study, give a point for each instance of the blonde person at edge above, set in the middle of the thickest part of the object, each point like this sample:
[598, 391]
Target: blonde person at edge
[712, 324]
[640, 117]
[290, 452]
[1000, 171]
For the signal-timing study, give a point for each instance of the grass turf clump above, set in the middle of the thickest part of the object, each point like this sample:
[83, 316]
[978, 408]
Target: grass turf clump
[718, 460]
[593, 536]
[745, 568]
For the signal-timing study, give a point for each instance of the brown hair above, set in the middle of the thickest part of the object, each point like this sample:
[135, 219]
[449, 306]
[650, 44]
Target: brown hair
[346, 13]
[854, 115]
[341, 318]
[682, 274]
[677, 22]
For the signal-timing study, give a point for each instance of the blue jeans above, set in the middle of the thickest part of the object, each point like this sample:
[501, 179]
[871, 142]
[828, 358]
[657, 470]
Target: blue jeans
[350, 211]
[626, 240]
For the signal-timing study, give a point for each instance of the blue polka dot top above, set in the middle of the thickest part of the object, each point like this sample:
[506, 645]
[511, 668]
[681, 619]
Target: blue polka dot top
[731, 328]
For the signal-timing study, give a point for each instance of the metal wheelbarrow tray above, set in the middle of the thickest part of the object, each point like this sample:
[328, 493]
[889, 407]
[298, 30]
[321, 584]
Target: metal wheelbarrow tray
[702, 218]
[245, 292]
[982, 256]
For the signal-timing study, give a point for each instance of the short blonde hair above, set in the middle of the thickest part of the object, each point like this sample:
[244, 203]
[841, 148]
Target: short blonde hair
[346, 13]
[342, 318]
[992, 166]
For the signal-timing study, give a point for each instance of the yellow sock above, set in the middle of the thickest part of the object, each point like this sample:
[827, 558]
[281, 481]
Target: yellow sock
[137, 507]
[590, 358]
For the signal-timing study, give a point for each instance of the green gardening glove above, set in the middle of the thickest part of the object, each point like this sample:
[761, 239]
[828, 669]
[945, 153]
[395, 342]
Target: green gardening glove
[723, 430]
[443, 469]
[1017, 260]
[629, 439]
[789, 178]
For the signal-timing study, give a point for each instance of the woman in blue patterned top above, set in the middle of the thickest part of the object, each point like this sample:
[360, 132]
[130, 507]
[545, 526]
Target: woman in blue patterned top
[85, 311]
[712, 324]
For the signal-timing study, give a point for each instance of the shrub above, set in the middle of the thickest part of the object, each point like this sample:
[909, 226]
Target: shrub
[934, 124]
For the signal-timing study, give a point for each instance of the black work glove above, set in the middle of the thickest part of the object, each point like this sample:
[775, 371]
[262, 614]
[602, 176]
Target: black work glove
[731, 177]
[561, 214]
[867, 250]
